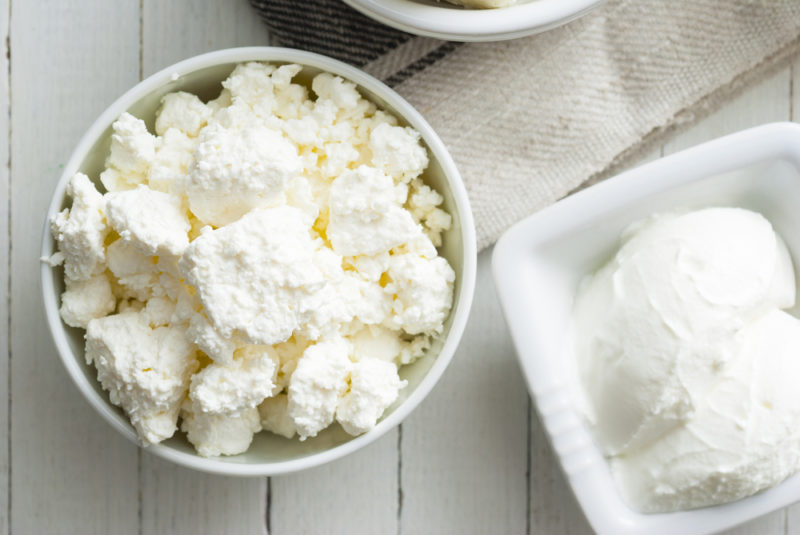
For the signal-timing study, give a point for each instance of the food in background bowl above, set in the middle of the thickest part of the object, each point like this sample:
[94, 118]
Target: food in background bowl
[483, 4]
[267, 260]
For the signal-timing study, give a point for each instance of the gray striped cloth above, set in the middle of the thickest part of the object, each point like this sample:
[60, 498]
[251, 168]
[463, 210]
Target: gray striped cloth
[530, 120]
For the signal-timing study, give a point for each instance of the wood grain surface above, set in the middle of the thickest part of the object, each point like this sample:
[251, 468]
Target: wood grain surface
[471, 459]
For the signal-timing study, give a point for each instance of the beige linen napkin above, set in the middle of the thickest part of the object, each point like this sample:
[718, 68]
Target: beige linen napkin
[527, 121]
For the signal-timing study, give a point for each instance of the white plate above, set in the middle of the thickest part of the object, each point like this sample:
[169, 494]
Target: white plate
[537, 266]
[441, 20]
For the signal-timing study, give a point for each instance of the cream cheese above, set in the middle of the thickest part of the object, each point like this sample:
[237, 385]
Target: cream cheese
[687, 362]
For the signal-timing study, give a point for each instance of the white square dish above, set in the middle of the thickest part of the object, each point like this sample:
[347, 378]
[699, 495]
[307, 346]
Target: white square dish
[539, 262]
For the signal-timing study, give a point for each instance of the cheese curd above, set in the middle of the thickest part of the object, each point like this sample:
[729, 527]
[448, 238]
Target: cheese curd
[264, 261]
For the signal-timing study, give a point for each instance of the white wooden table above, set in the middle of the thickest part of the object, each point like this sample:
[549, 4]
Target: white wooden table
[471, 459]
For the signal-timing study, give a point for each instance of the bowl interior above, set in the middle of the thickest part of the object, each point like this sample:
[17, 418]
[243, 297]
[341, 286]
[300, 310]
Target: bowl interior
[549, 254]
[266, 447]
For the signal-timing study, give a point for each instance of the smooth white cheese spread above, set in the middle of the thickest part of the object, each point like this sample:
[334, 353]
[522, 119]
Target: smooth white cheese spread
[688, 364]
[264, 261]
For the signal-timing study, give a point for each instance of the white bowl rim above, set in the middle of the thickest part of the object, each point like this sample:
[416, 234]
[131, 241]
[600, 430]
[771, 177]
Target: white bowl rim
[475, 25]
[779, 140]
[460, 309]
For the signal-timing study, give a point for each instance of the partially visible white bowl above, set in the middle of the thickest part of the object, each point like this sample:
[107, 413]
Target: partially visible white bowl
[269, 454]
[442, 20]
[537, 266]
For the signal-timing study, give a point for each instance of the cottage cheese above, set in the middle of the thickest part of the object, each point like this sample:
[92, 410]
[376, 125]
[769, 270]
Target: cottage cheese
[266, 261]
[318, 381]
[84, 301]
[374, 385]
[152, 221]
[146, 371]
[80, 231]
[133, 150]
[366, 214]
[688, 363]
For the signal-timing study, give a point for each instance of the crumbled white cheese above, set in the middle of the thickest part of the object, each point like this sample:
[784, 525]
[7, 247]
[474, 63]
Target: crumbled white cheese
[423, 203]
[424, 290]
[374, 385]
[376, 342]
[396, 150]
[316, 384]
[146, 371]
[174, 155]
[256, 277]
[365, 217]
[132, 151]
[159, 311]
[209, 341]
[219, 433]
[152, 221]
[343, 94]
[182, 111]
[236, 170]
[242, 384]
[135, 273]
[80, 231]
[275, 417]
[268, 259]
[84, 301]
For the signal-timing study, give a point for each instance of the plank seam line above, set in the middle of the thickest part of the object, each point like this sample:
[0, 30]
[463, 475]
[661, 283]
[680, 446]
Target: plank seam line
[786, 509]
[140, 484]
[399, 478]
[141, 39]
[268, 507]
[8, 282]
[528, 472]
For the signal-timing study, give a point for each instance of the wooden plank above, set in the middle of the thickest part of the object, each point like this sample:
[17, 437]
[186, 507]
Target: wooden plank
[4, 262]
[464, 450]
[553, 509]
[174, 497]
[179, 500]
[174, 31]
[70, 471]
[766, 102]
[356, 494]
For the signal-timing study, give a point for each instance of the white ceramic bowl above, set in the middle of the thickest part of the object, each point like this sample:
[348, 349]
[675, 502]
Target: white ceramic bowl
[269, 454]
[439, 19]
[539, 262]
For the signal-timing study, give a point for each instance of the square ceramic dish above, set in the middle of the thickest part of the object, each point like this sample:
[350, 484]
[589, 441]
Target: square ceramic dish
[537, 266]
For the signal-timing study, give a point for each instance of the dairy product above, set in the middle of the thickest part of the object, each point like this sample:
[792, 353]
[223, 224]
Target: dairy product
[366, 214]
[146, 371]
[84, 301]
[483, 4]
[374, 385]
[317, 383]
[80, 231]
[687, 361]
[152, 221]
[266, 261]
